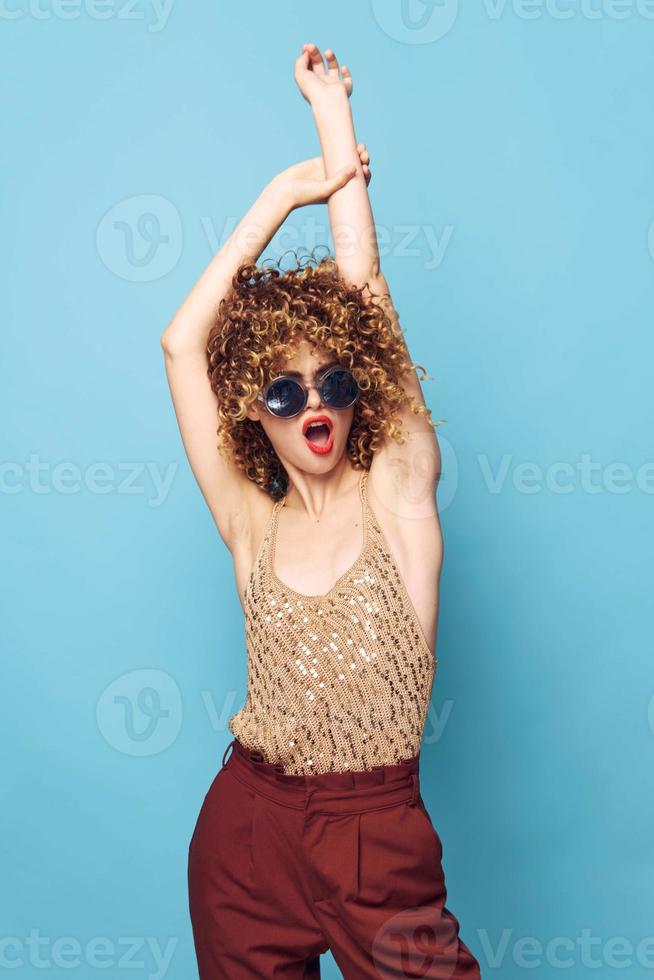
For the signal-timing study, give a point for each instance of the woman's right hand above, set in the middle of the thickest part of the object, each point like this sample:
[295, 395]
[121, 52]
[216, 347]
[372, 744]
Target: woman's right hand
[305, 183]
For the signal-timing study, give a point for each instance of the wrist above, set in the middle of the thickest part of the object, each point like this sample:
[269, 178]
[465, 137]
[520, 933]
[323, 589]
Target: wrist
[329, 100]
[278, 194]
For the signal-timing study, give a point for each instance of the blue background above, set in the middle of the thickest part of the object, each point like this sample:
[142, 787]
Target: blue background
[523, 145]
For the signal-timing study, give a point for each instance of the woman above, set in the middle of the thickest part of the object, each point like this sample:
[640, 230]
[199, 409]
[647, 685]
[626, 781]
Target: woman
[314, 834]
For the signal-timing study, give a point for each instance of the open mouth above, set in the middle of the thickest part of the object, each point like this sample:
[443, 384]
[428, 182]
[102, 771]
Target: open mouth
[319, 434]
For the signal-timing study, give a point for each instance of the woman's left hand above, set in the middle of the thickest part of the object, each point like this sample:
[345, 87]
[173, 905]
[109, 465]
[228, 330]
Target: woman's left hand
[314, 81]
[305, 183]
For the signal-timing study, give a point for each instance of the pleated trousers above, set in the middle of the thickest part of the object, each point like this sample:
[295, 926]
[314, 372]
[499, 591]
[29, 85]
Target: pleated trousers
[282, 867]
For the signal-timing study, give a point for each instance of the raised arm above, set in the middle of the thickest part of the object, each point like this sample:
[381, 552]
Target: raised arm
[350, 213]
[410, 471]
[224, 486]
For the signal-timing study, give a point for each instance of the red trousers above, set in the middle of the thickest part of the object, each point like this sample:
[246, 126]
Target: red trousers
[283, 867]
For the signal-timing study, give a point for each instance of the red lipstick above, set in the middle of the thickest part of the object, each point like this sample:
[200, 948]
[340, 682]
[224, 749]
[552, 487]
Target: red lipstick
[318, 432]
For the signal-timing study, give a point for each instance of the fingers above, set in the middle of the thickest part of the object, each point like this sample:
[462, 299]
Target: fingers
[332, 63]
[347, 78]
[315, 58]
[302, 63]
[364, 156]
[333, 71]
[344, 175]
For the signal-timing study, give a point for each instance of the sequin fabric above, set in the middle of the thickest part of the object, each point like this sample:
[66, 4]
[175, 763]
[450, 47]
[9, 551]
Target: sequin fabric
[340, 681]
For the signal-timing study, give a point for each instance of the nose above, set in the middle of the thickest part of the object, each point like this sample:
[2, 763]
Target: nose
[314, 400]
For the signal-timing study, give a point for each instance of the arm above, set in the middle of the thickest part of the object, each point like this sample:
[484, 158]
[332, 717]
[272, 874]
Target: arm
[350, 213]
[417, 461]
[224, 486]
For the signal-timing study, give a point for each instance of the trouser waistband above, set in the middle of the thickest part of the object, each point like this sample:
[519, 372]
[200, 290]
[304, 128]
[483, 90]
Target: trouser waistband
[329, 792]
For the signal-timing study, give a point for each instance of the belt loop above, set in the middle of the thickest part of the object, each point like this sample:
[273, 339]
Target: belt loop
[415, 789]
[233, 742]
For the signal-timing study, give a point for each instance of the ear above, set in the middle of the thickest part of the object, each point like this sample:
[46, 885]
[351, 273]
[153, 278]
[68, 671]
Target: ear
[253, 411]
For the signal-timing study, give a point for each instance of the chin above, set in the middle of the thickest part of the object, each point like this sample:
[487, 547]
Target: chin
[314, 464]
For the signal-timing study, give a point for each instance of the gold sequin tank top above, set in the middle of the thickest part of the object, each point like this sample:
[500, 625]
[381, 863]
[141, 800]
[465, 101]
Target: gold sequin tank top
[340, 681]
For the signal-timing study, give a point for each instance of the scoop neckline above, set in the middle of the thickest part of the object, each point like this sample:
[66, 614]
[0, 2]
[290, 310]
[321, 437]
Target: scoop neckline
[323, 597]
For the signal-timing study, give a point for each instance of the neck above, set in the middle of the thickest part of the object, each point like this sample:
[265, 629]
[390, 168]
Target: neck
[318, 493]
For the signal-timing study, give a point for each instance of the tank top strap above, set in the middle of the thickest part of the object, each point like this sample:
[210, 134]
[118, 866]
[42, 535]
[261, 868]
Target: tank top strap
[271, 533]
[368, 513]
[363, 487]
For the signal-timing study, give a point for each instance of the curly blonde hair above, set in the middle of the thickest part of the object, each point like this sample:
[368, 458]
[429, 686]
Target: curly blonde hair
[259, 324]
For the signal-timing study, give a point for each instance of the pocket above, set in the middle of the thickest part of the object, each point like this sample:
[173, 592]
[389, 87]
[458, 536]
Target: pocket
[398, 858]
[220, 864]
[423, 815]
[223, 835]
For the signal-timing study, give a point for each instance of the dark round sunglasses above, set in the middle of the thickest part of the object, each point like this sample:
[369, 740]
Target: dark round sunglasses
[285, 397]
